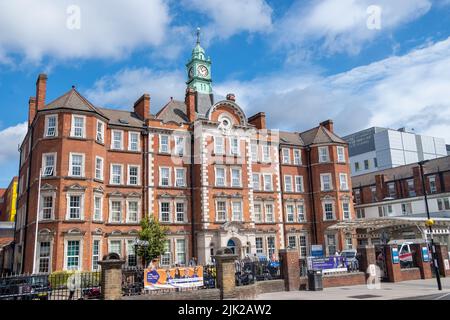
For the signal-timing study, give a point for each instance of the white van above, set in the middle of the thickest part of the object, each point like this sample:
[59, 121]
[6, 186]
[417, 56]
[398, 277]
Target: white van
[405, 252]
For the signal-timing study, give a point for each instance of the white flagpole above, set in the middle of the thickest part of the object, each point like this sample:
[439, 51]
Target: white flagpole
[37, 223]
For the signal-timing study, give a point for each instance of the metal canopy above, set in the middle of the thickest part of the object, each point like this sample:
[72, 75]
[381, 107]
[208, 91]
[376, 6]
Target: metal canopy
[373, 224]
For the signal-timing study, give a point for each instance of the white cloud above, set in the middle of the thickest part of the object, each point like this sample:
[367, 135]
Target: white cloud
[336, 26]
[412, 90]
[11, 138]
[233, 16]
[36, 29]
[126, 86]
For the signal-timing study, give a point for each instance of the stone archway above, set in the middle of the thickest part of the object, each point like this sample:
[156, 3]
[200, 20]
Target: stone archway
[234, 244]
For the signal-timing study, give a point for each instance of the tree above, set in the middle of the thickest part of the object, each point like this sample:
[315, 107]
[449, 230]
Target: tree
[154, 235]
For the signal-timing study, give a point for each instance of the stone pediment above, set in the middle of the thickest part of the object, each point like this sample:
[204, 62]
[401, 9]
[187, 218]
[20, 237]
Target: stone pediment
[75, 187]
[134, 195]
[232, 226]
[99, 190]
[116, 194]
[327, 197]
[48, 187]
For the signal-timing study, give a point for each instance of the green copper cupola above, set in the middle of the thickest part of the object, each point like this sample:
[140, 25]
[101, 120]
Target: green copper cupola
[199, 69]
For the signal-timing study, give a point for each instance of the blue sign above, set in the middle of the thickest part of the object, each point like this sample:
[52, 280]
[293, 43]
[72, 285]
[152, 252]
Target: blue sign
[317, 251]
[395, 257]
[425, 254]
[153, 277]
[334, 262]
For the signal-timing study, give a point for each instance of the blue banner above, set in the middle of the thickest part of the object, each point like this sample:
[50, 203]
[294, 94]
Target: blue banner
[395, 257]
[334, 262]
[425, 254]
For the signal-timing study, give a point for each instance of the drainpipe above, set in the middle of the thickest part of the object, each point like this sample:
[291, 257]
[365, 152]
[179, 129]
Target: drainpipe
[311, 193]
[191, 169]
[281, 177]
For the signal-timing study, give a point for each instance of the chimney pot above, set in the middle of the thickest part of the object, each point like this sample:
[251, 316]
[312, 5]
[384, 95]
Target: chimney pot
[231, 97]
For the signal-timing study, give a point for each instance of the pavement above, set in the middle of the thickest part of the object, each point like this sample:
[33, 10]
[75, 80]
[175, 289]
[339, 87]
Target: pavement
[407, 290]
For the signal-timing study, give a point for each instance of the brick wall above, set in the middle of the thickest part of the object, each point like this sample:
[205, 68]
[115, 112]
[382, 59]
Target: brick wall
[410, 274]
[201, 294]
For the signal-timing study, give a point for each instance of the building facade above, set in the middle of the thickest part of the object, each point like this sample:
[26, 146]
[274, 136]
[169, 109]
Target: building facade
[8, 201]
[378, 148]
[215, 177]
[398, 192]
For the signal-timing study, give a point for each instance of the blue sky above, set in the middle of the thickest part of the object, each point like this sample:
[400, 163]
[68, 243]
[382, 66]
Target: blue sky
[299, 61]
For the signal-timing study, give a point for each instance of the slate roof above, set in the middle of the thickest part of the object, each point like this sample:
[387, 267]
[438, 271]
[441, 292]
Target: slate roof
[173, 111]
[402, 172]
[75, 101]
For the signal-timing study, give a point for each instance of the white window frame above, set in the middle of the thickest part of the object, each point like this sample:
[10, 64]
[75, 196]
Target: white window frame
[110, 218]
[74, 194]
[177, 261]
[184, 203]
[180, 146]
[322, 182]
[271, 205]
[266, 158]
[286, 153]
[254, 151]
[161, 144]
[72, 130]
[288, 187]
[183, 184]
[52, 209]
[344, 211]
[80, 252]
[82, 173]
[217, 150]
[341, 154]
[233, 211]
[138, 175]
[100, 134]
[49, 257]
[138, 142]
[232, 169]
[224, 176]
[161, 177]
[236, 152]
[271, 182]
[290, 214]
[120, 246]
[225, 210]
[94, 215]
[261, 213]
[169, 213]
[303, 212]
[47, 120]
[44, 163]
[98, 255]
[111, 178]
[297, 159]
[432, 182]
[343, 177]
[113, 147]
[321, 155]
[333, 206]
[299, 187]
[167, 254]
[258, 188]
[138, 210]
[300, 246]
[101, 170]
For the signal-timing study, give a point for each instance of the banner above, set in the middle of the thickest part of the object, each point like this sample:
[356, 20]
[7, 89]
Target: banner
[328, 263]
[179, 277]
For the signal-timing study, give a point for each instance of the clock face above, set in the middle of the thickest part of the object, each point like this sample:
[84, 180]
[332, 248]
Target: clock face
[203, 71]
[191, 72]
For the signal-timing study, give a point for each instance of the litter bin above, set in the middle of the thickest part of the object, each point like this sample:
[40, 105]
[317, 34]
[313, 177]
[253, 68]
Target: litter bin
[315, 280]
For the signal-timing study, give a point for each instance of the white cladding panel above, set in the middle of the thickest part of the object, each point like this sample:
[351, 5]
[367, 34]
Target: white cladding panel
[428, 156]
[384, 159]
[409, 142]
[427, 144]
[381, 140]
[398, 158]
[395, 140]
[441, 149]
[411, 157]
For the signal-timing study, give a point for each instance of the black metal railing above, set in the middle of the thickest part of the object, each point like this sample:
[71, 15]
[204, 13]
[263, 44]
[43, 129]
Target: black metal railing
[55, 286]
[248, 271]
[133, 282]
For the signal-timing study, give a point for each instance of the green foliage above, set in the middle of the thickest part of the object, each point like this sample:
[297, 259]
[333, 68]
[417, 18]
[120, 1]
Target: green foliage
[58, 279]
[155, 235]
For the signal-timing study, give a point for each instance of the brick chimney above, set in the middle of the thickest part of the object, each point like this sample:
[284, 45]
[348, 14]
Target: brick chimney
[142, 107]
[258, 120]
[329, 125]
[41, 90]
[231, 97]
[31, 110]
[190, 101]
[418, 181]
[381, 186]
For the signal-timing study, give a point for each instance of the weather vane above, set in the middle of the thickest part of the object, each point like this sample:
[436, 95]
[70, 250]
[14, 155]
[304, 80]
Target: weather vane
[198, 35]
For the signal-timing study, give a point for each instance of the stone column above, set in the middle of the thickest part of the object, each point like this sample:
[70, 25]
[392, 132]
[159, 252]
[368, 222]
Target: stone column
[424, 267]
[443, 259]
[111, 281]
[290, 269]
[366, 257]
[394, 271]
[226, 274]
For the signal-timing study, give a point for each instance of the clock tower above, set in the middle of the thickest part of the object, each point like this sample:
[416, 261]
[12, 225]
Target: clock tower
[199, 70]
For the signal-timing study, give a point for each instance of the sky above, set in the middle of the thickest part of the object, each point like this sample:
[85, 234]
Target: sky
[361, 63]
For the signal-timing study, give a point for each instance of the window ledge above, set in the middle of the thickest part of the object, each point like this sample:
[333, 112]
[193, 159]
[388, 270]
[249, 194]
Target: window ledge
[74, 221]
[50, 138]
[77, 138]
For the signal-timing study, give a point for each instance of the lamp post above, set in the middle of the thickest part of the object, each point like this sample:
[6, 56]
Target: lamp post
[430, 224]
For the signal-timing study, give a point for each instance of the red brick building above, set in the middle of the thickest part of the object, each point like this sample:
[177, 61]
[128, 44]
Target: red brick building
[213, 175]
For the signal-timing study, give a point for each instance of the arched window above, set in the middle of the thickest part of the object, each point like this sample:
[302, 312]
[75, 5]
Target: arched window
[232, 246]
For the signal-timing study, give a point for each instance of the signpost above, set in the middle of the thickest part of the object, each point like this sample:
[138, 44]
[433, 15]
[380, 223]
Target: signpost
[317, 250]
[425, 254]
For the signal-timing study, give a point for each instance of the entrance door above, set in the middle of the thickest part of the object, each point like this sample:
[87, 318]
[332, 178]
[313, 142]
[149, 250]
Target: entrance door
[380, 256]
[232, 245]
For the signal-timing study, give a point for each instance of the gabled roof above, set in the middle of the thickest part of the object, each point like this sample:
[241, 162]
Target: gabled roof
[292, 138]
[72, 100]
[75, 101]
[173, 111]
[320, 135]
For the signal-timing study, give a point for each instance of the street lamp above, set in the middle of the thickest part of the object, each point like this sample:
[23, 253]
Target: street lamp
[429, 224]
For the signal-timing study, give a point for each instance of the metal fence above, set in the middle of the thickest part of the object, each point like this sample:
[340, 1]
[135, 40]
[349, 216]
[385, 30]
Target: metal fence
[55, 286]
[248, 271]
[331, 264]
[133, 282]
